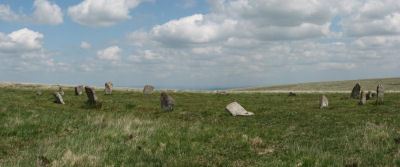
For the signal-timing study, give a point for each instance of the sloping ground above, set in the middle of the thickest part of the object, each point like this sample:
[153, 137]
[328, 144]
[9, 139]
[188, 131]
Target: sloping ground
[390, 84]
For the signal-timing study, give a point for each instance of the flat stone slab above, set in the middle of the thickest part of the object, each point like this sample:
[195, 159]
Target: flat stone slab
[237, 110]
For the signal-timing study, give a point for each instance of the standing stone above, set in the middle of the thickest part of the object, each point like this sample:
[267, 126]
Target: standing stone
[355, 93]
[380, 92]
[58, 98]
[323, 102]
[148, 89]
[61, 90]
[108, 88]
[79, 90]
[369, 95]
[363, 98]
[237, 110]
[167, 102]
[91, 94]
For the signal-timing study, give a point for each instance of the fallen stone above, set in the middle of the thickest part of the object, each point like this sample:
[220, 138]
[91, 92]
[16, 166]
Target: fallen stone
[237, 110]
[363, 98]
[58, 98]
[148, 89]
[167, 102]
[323, 102]
[355, 93]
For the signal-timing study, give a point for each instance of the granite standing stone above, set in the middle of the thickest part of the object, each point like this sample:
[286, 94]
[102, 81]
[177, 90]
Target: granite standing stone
[237, 110]
[167, 102]
[323, 102]
[79, 90]
[91, 94]
[355, 93]
[363, 98]
[148, 89]
[380, 92]
[58, 98]
[108, 88]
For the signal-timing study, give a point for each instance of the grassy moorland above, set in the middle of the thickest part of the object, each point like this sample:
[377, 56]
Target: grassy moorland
[130, 130]
[391, 84]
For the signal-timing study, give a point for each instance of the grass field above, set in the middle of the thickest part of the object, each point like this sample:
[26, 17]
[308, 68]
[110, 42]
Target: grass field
[391, 84]
[130, 130]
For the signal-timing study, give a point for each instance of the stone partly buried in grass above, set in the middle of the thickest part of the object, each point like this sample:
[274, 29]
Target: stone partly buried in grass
[237, 110]
[58, 98]
[323, 102]
[108, 88]
[91, 94]
[167, 102]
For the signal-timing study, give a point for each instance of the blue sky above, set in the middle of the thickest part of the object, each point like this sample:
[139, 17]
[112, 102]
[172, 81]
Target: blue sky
[196, 44]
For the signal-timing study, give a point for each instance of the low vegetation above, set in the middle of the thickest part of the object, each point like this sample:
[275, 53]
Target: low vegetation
[130, 130]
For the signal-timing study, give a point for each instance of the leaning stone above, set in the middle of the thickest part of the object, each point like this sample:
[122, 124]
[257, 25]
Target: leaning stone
[380, 92]
[148, 89]
[58, 98]
[79, 90]
[91, 94]
[108, 88]
[237, 110]
[323, 102]
[167, 102]
[355, 93]
[61, 90]
[363, 98]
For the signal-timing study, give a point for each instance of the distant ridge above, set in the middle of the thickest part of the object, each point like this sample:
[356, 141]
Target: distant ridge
[390, 84]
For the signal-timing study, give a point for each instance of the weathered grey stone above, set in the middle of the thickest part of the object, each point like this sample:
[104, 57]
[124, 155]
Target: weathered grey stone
[355, 93]
[363, 98]
[79, 90]
[108, 88]
[58, 98]
[323, 102]
[148, 89]
[91, 94]
[380, 92]
[369, 95]
[167, 102]
[237, 110]
[39, 92]
[61, 90]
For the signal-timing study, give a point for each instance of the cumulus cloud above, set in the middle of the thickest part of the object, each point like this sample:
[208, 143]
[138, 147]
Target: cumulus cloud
[23, 39]
[85, 45]
[101, 13]
[45, 12]
[111, 53]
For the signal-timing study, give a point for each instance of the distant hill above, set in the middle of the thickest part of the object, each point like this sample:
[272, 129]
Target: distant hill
[390, 84]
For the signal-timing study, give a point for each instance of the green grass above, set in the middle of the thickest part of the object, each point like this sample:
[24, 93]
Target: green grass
[131, 130]
[391, 84]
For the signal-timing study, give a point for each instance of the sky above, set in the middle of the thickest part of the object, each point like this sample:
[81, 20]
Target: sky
[197, 44]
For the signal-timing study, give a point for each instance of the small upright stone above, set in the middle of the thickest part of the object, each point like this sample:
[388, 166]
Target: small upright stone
[108, 88]
[79, 90]
[380, 92]
[91, 94]
[148, 89]
[58, 98]
[237, 110]
[363, 98]
[61, 90]
[355, 93]
[323, 102]
[167, 102]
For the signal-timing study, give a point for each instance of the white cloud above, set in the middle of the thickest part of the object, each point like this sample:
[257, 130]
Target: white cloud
[101, 13]
[23, 39]
[85, 45]
[7, 14]
[47, 13]
[111, 53]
